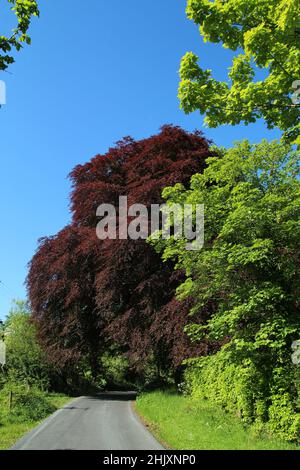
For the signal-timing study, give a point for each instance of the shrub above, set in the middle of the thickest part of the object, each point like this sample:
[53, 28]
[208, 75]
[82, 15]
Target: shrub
[243, 389]
[27, 404]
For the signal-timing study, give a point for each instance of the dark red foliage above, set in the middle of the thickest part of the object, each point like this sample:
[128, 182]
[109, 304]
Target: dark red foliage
[86, 294]
[61, 287]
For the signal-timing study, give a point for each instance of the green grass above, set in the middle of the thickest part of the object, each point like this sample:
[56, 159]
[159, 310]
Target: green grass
[186, 424]
[11, 430]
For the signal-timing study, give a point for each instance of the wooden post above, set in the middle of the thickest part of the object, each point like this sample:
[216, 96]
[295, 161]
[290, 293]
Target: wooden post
[10, 400]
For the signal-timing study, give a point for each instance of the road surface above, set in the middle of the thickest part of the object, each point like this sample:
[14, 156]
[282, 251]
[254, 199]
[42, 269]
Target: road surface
[104, 422]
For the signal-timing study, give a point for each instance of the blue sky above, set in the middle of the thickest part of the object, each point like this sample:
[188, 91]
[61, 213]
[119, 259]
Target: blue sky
[96, 71]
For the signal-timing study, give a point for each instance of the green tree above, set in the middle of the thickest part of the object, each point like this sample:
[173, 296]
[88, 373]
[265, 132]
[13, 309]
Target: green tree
[264, 34]
[26, 362]
[247, 277]
[24, 11]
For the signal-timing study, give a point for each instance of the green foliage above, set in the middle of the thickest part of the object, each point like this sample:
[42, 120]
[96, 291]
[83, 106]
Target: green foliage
[27, 404]
[184, 423]
[26, 362]
[297, 386]
[28, 408]
[115, 368]
[265, 35]
[113, 372]
[254, 393]
[24, 11]
[247, 276]
[117, 372]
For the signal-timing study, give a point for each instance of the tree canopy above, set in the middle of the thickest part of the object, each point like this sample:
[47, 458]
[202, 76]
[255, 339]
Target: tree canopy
[249, 271]
[26, 361]
[88, 294]
[24, 11]
[264, 36]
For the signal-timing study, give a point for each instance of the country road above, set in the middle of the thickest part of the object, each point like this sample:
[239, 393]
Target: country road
[104, 422]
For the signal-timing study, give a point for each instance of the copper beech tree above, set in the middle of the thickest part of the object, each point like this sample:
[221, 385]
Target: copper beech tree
[88, 294]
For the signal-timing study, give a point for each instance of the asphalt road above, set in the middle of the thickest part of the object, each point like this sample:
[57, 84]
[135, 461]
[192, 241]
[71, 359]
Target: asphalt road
[105, 422]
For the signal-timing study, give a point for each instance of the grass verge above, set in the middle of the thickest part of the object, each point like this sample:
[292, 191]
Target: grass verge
[15, 425]
[187, 424]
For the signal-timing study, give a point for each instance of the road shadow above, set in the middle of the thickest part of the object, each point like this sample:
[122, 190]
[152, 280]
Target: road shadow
[116, 395]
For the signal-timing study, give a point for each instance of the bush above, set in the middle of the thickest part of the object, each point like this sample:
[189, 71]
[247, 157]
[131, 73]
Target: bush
[283, 421]
[115, 369]
[27, 404]
[26, 362]
[242, 388]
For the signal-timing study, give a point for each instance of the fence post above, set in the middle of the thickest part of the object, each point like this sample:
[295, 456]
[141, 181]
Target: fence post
[10, 400]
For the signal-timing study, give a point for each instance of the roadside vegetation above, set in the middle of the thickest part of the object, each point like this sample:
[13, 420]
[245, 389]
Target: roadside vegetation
[183, 423]
[22, 409]
[26, 393]
[245, 281]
